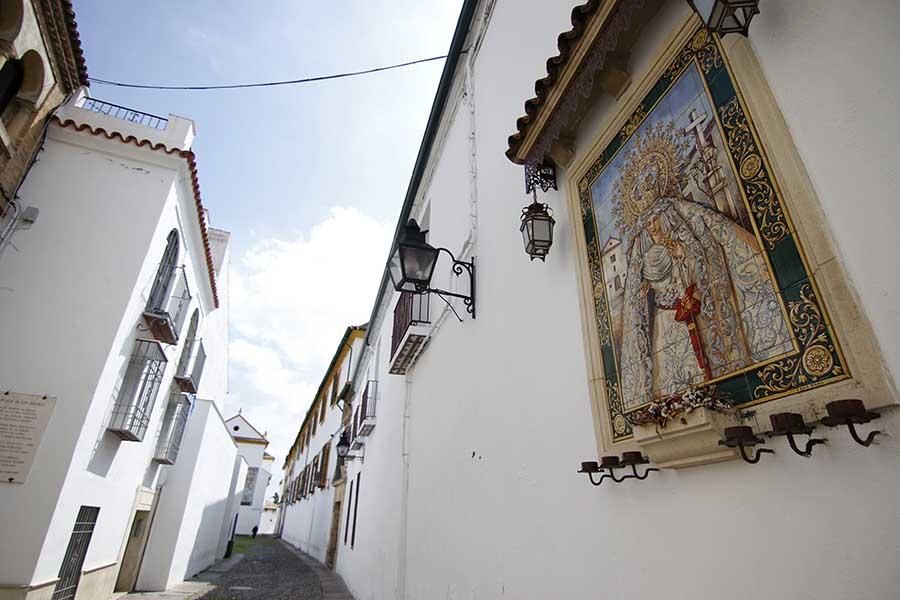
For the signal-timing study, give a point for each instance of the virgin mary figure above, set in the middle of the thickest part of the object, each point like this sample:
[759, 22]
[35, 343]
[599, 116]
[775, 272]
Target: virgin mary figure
[698, 300]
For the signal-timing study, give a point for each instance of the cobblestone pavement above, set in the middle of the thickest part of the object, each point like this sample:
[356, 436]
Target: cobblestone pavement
[268, 571]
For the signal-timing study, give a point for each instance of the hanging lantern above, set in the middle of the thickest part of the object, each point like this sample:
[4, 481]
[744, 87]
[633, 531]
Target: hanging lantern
[726, 16]
[412, 264]
[343, 445]
[537, 229]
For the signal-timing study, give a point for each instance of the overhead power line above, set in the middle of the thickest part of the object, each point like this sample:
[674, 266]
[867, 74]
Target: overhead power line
[233, 86]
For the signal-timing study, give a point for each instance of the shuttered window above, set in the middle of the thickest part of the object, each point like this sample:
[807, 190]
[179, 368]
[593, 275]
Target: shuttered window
[323, 466]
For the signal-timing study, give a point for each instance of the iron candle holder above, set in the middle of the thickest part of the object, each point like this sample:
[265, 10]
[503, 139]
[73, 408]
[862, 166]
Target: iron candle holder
[742, 437]
[633, 459]
[791, 424]
[608, 465]
[851, 412]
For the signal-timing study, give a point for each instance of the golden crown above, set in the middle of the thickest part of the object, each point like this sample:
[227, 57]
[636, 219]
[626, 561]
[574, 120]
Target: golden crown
[658, 160]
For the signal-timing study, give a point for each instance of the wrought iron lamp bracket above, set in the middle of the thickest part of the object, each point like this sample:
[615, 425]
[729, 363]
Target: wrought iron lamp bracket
[458, 268]
[611, 463]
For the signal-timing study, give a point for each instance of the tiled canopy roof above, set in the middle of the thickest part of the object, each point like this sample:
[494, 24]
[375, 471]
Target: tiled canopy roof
[566, 43]
[192, 168]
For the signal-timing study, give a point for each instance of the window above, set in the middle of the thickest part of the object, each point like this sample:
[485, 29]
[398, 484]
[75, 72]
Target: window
[347, 524]
[618, 283]
[314, 422]
[193, 358]
[355, 509]
[70, 570]
[334, 387]
[11, 76]
[324, 407]
[314, 475]
[170, 296]
[174, 424]
[323, 466]
[134, 401]
[249, 486]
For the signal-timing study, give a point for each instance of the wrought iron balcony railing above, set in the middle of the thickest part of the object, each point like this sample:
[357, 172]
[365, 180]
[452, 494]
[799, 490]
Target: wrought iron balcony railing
[410, 330]
[174, 424]
[367, 408]
[165, 315]
[190, 367]
[134, 401]
[124, 113]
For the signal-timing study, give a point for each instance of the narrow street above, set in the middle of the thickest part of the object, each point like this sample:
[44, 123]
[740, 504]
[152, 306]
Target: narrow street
[272, 571]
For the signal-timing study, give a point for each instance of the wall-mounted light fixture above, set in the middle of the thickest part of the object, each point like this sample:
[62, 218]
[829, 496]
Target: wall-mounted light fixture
[537, 218]
[343, 445]
[742, 437]
[791, 424]
[412, 266]
[726, 16]
[607, 466]
[851, 413]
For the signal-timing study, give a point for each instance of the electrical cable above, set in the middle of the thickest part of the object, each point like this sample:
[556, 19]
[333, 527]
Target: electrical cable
[232, 86]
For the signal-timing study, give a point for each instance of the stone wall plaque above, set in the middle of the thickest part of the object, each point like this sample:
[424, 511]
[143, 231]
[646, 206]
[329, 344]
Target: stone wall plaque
[23, 419]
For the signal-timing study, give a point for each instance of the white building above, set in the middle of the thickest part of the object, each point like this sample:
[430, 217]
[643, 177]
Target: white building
[252, 447]
[315, 493]
[269, 519]
[119, 472]
[469, 484]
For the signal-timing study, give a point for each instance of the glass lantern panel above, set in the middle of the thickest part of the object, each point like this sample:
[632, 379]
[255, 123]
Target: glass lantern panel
[543, 232]
[705, 8]
[418, 263]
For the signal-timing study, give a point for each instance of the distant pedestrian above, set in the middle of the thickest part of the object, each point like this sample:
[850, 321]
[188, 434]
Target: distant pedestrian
[255, 529]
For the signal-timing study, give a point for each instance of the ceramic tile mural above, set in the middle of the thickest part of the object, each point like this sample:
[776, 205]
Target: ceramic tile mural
[697, 277]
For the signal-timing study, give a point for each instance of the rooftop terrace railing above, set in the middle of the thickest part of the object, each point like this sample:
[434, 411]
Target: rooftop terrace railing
[124, 113]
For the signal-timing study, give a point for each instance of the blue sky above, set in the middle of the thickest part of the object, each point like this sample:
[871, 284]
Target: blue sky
[309, 178]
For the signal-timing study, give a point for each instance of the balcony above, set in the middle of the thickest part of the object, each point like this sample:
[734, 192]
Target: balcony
[165, 314]
[356, 442]
[174, 424]
[412, 327]
[190, 367]
[367, 408]
[134, 400]
[124, 113]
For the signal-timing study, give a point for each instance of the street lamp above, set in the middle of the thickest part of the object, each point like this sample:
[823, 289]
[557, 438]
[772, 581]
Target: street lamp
[537, 229]
[411, 266]
[343, 445]
[726, 16]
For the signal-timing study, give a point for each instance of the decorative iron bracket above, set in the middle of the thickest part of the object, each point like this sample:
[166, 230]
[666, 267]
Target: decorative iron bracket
[791, 424]
[851, 413]
[608, 465]
[459, 266]
[542, 175]
[741, 437]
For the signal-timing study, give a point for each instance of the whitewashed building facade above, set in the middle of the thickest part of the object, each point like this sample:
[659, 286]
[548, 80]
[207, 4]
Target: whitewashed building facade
[252, 447]
[316, 491]
[115, 317]
[470, 484]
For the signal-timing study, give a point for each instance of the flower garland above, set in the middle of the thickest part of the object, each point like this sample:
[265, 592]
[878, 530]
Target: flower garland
[659, 412]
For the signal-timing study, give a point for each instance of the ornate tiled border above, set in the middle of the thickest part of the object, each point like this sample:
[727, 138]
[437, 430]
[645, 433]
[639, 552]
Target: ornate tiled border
[816, 359]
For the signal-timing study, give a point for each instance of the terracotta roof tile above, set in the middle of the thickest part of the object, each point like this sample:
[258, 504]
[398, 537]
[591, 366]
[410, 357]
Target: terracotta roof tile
[75, 38]
[566, 43]
[192, 167]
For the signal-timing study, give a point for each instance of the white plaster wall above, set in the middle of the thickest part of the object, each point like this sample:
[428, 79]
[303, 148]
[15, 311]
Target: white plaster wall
[307, 522]
[73, 291]
[250, 515]
[194, 503]
[372, 567]
[499, 407]
[214, 332]
[267, 523]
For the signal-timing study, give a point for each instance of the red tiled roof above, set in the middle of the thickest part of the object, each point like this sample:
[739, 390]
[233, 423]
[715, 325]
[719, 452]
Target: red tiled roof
[192, 167]
[72, 26]
[566, 43]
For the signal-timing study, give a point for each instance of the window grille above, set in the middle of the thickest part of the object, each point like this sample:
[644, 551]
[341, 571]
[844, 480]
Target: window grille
[73, 561]
[164, 275]
[134, 403]
[174, 424]
[190, 365]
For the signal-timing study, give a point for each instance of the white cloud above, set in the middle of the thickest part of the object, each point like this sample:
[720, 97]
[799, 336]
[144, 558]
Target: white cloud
[290, 303]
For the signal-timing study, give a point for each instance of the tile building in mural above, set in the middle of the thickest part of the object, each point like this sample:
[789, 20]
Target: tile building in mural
[718, 277]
